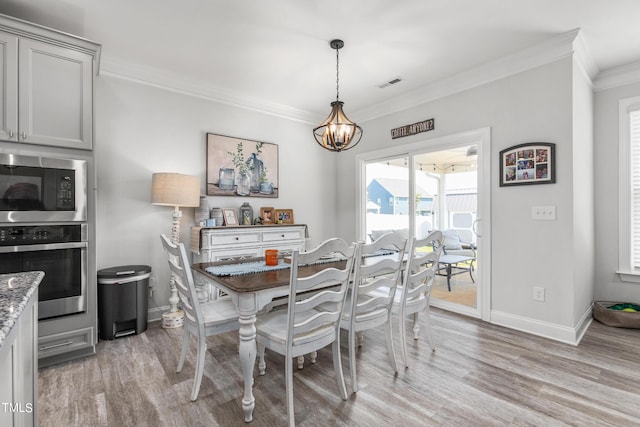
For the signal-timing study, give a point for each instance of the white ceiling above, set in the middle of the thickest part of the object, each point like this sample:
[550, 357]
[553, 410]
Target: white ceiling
[275, 53]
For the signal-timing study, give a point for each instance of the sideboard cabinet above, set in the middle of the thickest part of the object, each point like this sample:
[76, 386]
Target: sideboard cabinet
[222, 243]
[46, 85]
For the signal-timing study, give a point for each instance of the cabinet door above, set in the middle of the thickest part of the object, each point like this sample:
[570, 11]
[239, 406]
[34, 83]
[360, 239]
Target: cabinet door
[8, 87]
[55, 95]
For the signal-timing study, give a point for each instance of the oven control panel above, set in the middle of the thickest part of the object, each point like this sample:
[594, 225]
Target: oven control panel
[39, 234]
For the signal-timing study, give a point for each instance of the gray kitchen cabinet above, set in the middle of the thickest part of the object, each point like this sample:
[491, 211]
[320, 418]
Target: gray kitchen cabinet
[19, 369]
[46, 84]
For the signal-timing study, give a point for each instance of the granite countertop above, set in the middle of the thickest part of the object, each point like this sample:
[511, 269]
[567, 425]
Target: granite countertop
[15, 291]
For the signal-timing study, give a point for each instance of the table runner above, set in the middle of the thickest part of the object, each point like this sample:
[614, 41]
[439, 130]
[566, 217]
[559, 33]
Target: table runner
[252, 267]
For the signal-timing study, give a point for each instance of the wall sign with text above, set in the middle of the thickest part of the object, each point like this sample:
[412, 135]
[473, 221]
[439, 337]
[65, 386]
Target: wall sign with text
[407, 130]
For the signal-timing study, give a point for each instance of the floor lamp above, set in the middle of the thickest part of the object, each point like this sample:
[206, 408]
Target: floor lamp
[177, 190]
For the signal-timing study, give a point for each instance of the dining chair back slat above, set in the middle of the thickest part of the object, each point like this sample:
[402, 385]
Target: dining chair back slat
[200, 319]
[367, 307]
[303, 328]
[419, 272]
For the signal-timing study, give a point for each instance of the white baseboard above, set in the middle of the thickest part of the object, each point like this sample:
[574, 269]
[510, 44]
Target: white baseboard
[155, 314]
[552, 331]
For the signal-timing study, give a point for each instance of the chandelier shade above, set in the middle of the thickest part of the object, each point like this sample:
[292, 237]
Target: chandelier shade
[337, 133]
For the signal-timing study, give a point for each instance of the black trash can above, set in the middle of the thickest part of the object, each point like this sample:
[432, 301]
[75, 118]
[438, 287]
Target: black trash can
[123, 300]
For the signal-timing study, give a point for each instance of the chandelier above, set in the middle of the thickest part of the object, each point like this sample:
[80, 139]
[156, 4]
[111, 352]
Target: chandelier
[337, 132]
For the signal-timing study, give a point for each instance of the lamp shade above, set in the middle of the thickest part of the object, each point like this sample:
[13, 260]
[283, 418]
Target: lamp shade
[175, 189]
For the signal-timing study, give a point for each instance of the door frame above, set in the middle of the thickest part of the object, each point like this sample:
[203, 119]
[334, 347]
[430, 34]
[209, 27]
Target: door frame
[480, 137]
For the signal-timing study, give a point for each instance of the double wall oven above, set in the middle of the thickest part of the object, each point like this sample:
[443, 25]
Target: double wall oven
[43, 226]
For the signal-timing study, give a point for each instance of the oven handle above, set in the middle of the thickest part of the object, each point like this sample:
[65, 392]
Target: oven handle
[44, 247]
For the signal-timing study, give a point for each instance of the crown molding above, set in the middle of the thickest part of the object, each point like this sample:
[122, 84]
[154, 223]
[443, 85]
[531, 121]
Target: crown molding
[552, 50]
[177, 83]
[583, 57]
[618, 76]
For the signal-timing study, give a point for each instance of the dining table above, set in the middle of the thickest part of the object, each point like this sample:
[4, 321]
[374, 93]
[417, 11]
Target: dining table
[252, 286]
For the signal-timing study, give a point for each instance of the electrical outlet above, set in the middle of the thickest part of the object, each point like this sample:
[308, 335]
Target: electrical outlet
[544, 213]
[538, 293]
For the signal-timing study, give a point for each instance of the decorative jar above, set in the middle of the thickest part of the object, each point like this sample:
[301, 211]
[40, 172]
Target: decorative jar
[202, 211]
[226, 178]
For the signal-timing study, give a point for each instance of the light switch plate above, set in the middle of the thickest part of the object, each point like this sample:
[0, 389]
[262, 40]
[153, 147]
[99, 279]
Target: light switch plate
[544, 213]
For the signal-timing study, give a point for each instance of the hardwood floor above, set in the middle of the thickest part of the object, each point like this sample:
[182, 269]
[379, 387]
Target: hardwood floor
[480, 375]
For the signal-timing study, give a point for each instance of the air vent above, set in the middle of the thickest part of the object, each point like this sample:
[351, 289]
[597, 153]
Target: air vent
[393, 81]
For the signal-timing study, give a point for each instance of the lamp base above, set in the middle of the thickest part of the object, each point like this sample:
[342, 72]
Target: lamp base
[172, 319]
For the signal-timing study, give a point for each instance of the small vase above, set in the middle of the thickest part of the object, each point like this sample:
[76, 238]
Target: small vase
[202, 211]
[243, 183]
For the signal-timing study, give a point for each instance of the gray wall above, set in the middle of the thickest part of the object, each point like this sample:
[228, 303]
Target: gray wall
[535, 105]
[141, 130]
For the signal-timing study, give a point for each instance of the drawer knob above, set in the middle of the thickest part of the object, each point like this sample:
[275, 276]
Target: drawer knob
[282, 235]
[237, 238]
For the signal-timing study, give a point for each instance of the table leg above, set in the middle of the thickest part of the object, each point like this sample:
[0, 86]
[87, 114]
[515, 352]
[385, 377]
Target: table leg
[449, 277]
[248, 360]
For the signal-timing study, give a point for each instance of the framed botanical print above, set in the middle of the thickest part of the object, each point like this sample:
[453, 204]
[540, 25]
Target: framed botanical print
[241, 167]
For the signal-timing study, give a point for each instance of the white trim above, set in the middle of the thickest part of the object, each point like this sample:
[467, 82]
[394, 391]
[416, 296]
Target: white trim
[619, 76]
[629, 276]
[552, 331]
[178, 83]
[155, 314]
[625, 270]
[455, 308]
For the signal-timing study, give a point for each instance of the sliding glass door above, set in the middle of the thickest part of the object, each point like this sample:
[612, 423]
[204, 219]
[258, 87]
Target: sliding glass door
[434, 186]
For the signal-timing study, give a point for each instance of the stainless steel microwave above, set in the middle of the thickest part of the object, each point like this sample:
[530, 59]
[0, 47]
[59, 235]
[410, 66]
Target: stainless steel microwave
[42, 189]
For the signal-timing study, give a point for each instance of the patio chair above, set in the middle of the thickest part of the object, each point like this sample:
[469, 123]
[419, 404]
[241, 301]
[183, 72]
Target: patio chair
[453, 244]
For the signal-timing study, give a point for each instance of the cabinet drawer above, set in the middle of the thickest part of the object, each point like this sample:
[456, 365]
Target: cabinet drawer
[235, 238]
[64, 342]
[279, 235]
[230, 254]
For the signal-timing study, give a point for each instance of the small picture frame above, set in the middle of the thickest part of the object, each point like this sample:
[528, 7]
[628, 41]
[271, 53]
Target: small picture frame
[284, 216]
[230, 217]
[268, 215]
[526, 164]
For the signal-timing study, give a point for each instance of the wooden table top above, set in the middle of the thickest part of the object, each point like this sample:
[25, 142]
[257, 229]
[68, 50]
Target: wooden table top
[261, 281]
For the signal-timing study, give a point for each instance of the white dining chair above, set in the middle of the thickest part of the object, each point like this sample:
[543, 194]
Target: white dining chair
[414, 294]
[200, 319]
[373, 310]
[302, 328]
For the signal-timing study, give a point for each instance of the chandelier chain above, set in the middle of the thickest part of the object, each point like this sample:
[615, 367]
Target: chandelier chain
[337, 74]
